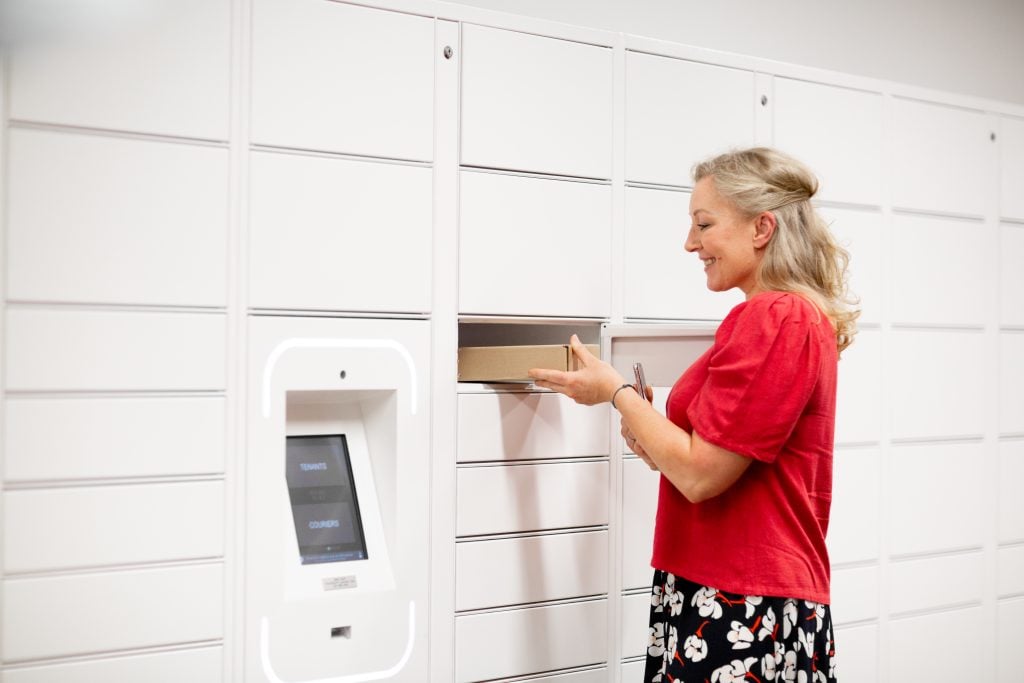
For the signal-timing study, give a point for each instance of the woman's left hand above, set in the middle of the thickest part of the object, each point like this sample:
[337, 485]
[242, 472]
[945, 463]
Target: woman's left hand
[594, 382]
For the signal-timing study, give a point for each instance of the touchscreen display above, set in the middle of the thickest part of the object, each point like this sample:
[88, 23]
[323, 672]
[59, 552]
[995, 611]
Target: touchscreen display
[323, 499]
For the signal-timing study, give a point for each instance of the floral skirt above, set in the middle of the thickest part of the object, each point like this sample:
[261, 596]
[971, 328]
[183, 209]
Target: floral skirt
[702, 635]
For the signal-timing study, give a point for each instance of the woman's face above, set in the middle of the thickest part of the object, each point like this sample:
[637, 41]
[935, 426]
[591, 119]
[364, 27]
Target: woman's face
[726, 241]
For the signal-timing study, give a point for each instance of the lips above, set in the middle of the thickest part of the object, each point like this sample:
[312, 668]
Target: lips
[708, 262]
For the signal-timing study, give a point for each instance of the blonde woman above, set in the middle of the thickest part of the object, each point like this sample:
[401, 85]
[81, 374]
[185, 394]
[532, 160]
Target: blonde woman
[741, 581]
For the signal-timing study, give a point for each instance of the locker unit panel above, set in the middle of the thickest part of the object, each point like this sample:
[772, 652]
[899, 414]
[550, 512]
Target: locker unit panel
[532, 103]
[518, 570]
[113, 437]
[1011, 503]
[1010, 571]
[668, 101]
[1011, 167]
[195, 666]
[508, 499]
[935, 582]
[661, 279]
[1009, 632]
[574, 634]
[861, 234]
[858, 414]
[340, 78]
[635, 634]
[919, 634]
[165, 70]
[853, 530]
[528, 426]
[946, 283]
[955, 472]
[59, 616]
[327, 234]
[1011, 275]
[835, 131]
[857, 652]
[639, 508]
[108, 525]
[151, 228]
[55, 350]
[1011, 382]
[513, 230]
[854, 594]
[925, 365]
[932, 145]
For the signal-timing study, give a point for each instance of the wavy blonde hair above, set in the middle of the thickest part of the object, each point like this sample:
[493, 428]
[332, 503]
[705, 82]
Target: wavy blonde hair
[802, 256]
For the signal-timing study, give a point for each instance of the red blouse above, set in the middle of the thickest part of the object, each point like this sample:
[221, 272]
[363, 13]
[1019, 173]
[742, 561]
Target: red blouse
[766, 390]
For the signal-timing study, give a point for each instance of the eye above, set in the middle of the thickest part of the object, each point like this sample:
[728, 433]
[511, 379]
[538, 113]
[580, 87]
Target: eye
[703, 226]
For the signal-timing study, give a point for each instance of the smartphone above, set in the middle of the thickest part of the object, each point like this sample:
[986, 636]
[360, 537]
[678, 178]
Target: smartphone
[641, 381]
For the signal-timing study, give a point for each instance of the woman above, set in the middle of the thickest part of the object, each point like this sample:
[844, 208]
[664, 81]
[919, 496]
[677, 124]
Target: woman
[741, 582]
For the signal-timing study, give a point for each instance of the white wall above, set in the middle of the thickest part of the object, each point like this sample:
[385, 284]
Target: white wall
[974, 48]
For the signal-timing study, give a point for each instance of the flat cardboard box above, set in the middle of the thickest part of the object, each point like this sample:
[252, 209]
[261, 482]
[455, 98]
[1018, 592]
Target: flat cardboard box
[511, 363]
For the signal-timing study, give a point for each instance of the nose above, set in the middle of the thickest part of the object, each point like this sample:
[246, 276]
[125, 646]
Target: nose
[692, 243]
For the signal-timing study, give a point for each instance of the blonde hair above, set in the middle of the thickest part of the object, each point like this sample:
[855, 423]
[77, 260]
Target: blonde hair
[802, 256]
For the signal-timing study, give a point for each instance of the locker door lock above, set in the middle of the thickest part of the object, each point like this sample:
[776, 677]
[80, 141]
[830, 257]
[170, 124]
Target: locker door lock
[448, 51]
[764, 100]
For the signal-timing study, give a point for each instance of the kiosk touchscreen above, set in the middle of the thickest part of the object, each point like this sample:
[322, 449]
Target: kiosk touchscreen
[325, 507]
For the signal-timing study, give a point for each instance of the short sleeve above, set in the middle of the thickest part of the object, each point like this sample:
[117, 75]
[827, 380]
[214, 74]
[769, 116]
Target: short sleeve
[760, 378]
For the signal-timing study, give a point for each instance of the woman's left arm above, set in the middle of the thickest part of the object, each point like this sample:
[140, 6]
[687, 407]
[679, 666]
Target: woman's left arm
[698, 469]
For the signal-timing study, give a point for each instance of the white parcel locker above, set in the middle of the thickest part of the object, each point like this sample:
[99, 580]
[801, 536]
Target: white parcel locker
[1011, 275]
[532, 103]
[943, 158]
[335, 77]
[337, 504]
[516, 237]
[661, 279]
[339, 235]
[860, 232]
[160, 67]
[835, 131]
[680, 112]
[1011, 168]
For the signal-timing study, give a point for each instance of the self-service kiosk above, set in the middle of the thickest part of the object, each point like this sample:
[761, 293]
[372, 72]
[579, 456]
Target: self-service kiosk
[337, 500]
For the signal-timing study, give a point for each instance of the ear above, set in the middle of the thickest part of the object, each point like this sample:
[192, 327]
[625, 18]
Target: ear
[764, 228]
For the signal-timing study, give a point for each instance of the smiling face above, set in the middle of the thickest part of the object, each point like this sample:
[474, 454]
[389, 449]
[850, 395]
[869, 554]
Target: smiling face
[730, 244]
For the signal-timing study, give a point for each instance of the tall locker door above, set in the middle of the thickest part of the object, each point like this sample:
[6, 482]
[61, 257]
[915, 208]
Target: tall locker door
[943, 158]
[326, 232]
[533, 103]
[662, 280]
[340, 78]
[680, 112]
[837, 132]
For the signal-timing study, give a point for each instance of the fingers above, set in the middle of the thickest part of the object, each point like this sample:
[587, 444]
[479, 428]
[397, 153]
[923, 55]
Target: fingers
[650, 394]
[581, 351]
[551, 376]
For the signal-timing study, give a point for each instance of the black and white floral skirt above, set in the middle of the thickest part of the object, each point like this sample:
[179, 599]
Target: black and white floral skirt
[703, 635]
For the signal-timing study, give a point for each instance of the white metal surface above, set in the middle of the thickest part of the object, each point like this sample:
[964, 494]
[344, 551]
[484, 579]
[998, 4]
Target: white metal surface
[1010, 571]
[113, 437]
[855, 525]
[327, 234]
[532, 103]
[532, 569]
[1011, 504]
[340, 78]
[917, 632]
[571, 635]
[681, 112]
[855, 594]
[862, 233]
[1011, 275]
[78, 614]
[640, 487]
[517, 233]
[196, 666]
[91, 526]
[837, 132]
[858, 415]
[1011, 382]
[150, 227]
[660, 278]
[935, 582]
[1011, 167]
[163, 69]
[54, 350]
[528, 426]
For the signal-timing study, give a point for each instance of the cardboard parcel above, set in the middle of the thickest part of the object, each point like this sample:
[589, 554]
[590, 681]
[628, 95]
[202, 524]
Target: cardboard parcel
[511, 363]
